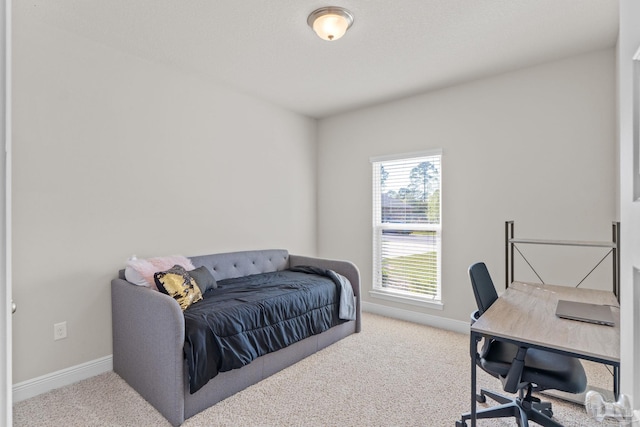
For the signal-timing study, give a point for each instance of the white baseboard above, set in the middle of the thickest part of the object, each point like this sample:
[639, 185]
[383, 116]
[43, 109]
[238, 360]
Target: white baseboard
[45, 383]
[415, 317]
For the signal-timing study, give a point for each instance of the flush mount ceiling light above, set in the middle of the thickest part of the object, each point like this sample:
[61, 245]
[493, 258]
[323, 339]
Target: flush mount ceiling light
[331, 22]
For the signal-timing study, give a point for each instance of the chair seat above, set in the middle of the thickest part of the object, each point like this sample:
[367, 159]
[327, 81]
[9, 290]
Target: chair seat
[546, 369]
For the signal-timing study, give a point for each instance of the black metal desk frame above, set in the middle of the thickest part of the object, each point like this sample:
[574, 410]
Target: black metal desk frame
[510, 242]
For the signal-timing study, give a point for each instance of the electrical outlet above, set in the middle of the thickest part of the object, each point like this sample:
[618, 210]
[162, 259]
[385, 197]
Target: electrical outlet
[59, 330]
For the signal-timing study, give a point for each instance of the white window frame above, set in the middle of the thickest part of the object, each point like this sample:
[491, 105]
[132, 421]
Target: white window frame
[396, 295]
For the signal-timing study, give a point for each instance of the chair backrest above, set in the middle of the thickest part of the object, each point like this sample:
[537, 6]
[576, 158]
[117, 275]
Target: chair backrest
[483, 288]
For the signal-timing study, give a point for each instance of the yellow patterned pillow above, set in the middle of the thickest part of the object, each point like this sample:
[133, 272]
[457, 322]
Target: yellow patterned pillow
[177, 283]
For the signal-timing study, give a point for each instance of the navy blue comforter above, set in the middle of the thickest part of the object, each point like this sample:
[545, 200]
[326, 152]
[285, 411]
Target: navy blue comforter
[247, 317]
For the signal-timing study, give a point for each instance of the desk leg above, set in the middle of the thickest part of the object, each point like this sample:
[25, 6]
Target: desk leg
[475, 338]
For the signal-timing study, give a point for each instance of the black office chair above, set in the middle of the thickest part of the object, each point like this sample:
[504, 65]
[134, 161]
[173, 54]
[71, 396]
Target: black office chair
[519, 369]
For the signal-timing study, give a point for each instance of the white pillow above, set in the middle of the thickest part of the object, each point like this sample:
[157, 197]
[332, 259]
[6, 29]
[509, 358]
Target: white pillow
[132, 275]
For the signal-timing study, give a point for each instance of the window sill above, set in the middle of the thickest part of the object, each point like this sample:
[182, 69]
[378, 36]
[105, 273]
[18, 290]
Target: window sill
[406, 299]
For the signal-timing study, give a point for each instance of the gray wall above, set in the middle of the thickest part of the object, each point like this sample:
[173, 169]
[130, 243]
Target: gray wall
[117, 156]
[536, 146]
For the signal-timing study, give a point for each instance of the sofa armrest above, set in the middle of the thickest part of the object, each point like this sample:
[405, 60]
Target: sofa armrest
[346, 268]
[148, 342]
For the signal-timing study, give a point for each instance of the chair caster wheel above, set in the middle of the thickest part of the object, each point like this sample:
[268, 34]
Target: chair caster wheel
[481, 398]
[461, 424]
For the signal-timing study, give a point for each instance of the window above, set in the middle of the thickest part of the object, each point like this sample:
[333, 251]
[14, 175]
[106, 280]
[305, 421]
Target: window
[407, 227]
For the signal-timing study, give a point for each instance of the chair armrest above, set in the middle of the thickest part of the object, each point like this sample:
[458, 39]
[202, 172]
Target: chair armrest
[148, 342]
[346, 268]
[511, 383]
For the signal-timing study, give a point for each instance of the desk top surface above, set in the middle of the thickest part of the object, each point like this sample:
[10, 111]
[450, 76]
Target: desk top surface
[525, 312]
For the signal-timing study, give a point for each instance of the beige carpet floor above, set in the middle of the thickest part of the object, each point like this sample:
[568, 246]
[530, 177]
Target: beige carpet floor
[394, 373]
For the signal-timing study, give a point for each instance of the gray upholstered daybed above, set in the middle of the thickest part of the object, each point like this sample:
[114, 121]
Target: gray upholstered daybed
[149, 335]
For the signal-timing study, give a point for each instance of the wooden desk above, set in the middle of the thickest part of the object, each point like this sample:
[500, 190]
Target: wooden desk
[525, 316]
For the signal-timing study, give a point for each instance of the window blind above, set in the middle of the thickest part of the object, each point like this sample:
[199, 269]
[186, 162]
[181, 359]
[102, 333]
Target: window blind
[406, 225]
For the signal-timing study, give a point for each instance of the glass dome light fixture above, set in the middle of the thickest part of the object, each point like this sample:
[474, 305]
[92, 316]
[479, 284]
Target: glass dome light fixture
[331, 22]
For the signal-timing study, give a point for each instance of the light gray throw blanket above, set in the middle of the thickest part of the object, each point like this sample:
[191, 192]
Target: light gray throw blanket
[347, 306]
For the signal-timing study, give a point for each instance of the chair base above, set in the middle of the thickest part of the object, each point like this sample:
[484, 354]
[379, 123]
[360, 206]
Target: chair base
[523, 410]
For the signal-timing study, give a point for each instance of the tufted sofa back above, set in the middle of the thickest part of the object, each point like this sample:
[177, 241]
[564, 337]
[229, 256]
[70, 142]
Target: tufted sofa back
[238, 264]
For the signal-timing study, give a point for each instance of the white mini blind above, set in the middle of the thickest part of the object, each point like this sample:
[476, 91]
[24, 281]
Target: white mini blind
[406, 225]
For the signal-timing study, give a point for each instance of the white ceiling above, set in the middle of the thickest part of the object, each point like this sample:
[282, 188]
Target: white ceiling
[395, 48]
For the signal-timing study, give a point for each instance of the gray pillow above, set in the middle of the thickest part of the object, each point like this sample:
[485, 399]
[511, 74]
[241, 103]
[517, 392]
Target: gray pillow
[204, 279]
